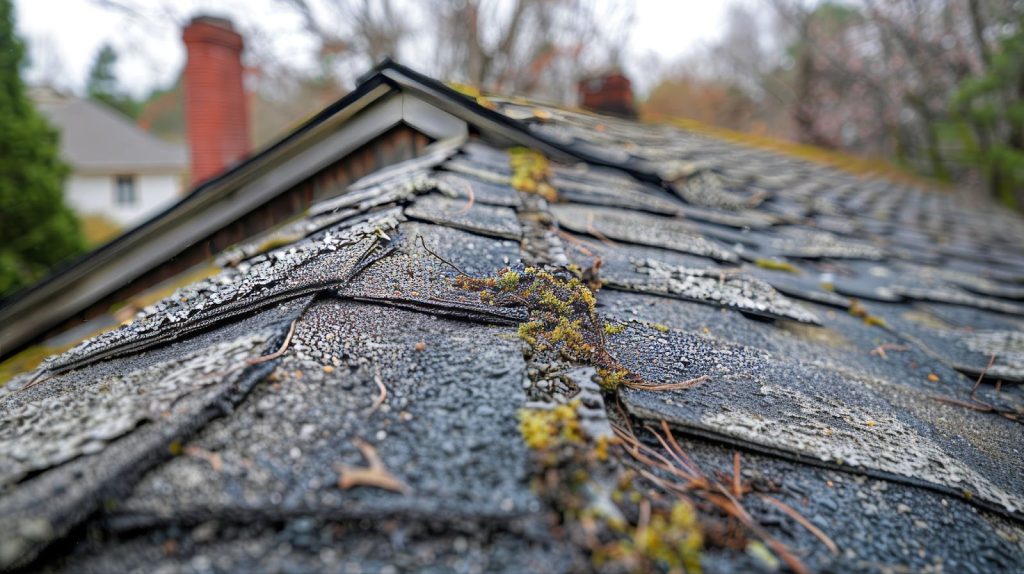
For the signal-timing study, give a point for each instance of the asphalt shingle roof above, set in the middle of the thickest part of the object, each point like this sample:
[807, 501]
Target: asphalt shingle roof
[211, 433]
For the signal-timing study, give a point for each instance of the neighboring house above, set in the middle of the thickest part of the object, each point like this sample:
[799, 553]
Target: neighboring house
[118, 171]
[432, 332]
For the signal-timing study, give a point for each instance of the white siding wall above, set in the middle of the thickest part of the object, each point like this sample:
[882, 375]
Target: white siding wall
[97, 195]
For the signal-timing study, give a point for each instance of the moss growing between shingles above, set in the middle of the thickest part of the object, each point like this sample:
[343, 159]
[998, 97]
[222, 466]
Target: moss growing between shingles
[776, 265]
[546, 429]
[508, 281]
[614, 328]
[612, 378]
[858, 310]
[672, 539]
[562, 317]
[596, 503]
[530, 172]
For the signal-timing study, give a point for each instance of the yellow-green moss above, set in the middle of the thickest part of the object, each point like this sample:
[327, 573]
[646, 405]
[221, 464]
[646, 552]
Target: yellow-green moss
[508, 280]
[671, 540]
[614, 328]
[548, 297]
[546, 429]
[660, 327]
[775, 265]
[611, 379]
[562, 316]
[530, 171]
[175, 448]
[858, 310]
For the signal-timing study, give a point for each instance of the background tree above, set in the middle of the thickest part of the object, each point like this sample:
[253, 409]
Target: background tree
[37, 231]
[989, 118]
[524, 47]
[102, 85]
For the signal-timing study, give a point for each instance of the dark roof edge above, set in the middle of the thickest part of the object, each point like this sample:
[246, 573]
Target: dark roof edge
[459, 105]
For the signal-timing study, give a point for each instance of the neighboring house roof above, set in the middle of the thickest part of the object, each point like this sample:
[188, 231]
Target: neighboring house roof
[98, 140]
[348, 393]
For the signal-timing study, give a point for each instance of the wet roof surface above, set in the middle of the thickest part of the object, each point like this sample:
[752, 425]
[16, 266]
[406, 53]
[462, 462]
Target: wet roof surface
[840, 324]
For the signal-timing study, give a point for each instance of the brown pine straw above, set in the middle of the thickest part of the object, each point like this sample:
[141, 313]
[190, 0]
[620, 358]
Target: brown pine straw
[277, 353]
[977, 404]
[640, 386]
[686, 479]
[381, 396]
[792, 513]
[471, 198]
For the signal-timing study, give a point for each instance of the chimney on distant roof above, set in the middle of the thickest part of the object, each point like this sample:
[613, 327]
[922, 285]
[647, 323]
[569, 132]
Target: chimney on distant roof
[216, 110]
[610, 93]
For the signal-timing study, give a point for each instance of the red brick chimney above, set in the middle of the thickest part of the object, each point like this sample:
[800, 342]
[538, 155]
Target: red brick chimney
[611, 93]
[216, 110]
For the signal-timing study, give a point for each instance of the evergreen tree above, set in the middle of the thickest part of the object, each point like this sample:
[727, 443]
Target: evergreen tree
[37, 231]
[990, 108]
[102, 85]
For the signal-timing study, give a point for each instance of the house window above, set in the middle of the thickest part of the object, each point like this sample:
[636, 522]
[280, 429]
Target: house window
[124, 190]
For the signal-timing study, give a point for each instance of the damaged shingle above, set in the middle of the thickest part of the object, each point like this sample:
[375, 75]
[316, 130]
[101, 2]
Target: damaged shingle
[468, 215]
[327, 258]
[723, 288]
[639, 228]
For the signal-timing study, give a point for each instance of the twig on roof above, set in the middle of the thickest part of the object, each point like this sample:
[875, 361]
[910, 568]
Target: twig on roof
[279, 352]
[374, 474]
[977, 404]
[974, 389]
[439, 258]
[737, 487]
[667, 386]
[881, 349]
[792, 513]
[471, 195]
[381, 397]
[579, 243]
[685, 478]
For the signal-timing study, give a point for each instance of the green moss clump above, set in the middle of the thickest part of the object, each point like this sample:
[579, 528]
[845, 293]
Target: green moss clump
[610, 379]
[614, 328]
[858, 310]
[530, 171]
[562, 316]
[546, 429]
[672, 540]
[660, 327]
[508, 281]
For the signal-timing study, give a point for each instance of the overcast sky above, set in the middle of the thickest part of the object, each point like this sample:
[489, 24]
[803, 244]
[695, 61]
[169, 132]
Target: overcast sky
[64, 35]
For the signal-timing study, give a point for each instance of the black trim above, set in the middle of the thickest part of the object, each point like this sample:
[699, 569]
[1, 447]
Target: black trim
[439, 89]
